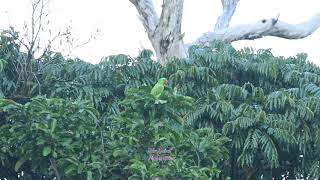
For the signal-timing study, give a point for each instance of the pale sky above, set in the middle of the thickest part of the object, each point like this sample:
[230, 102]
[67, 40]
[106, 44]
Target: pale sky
[122, 32]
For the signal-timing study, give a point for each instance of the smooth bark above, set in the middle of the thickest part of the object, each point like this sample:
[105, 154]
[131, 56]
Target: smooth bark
[164, 32]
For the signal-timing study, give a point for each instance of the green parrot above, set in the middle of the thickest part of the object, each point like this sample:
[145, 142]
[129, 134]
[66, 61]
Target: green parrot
[159, 87]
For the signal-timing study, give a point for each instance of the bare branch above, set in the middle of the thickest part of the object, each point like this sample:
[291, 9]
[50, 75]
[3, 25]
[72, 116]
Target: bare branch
[229, 7]
[38, 82]
[55, 169]
[92, 37]
[296, 31]
[265, 27]
[11, 32]
[148, 14]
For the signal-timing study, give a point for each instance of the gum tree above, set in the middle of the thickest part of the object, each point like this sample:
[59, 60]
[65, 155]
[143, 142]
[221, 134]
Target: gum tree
[164, 31]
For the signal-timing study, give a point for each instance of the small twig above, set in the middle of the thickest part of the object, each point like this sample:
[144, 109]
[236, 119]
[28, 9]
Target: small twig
[276, 19]
[38, 82]
[54, 167]
[198, 158]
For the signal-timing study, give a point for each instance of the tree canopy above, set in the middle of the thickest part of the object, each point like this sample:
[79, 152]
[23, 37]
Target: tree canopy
[226, 113]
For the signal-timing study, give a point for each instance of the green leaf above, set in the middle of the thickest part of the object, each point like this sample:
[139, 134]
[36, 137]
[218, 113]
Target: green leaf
[53, 125]
[41, 141]
[19, 163]
[2, 64]
[139, 166]
[69, 169]
[92, 115]
[73, 160]
[54, 154]
[46, 151]
[157, 140]
[1, 94]
[118, 153]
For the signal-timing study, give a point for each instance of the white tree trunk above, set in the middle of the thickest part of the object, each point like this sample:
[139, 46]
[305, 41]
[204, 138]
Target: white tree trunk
[165, 32]
[167, 40]
[169, 29]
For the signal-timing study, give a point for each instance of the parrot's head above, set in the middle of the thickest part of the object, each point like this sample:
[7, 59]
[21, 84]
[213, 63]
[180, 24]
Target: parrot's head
[163, 81]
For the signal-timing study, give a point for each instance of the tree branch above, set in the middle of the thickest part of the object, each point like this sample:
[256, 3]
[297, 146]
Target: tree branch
[296, 31]
[148, 15]
[265, 27]
[229, 7]
[55, 169]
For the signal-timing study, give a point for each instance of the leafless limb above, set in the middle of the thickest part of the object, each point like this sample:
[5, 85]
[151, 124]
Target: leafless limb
[229, 7]
[55, 169]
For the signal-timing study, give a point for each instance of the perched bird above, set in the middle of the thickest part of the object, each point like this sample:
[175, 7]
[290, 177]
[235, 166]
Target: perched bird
[159, 87]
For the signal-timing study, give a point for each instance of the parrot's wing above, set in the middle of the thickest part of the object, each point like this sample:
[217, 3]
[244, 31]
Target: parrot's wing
[157, 90]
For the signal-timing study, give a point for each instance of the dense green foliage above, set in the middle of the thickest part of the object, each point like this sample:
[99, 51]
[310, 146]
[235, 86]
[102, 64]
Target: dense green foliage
[225, 114]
